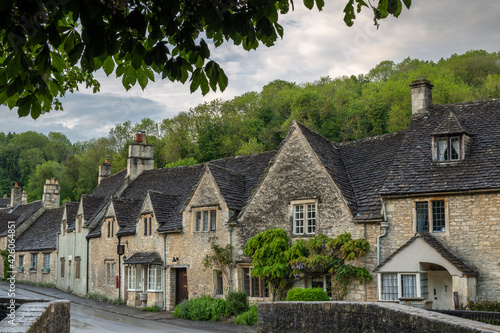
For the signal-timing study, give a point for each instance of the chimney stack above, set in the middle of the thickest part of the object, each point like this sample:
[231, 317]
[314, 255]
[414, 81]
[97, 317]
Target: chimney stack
[24, 198]
[421, 96]
[15, 195]
[104, 170]
[140, 156]
[51, 196]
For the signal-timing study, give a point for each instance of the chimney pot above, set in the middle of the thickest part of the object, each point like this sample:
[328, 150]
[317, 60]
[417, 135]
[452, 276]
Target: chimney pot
[138, 136]
[16, 184]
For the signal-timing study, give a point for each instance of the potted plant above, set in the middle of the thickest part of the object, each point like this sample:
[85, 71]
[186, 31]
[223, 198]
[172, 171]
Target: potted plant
[33, 269]
[20, 269]
[46, 270]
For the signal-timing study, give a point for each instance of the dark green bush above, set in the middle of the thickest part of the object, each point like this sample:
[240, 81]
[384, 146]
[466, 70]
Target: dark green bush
[248, 318]
[237, 302]
[202, 309]
[309, 294]
[182, 310]
[490, 306]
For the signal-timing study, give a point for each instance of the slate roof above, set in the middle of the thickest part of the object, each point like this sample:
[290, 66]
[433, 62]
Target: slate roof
[25, 211]
[451, 125]
[141, 258]
[91, 206]
[231, 186]
[110, 185]
[166, 208]
[4, 202]
[440, 248]
[42, 234]
[330, 156]
[126, 214]
[414, 172]
[71, 210]
[5, 217]
[367, 162]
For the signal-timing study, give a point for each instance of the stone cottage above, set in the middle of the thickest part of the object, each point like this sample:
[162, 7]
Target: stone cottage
[425, 198]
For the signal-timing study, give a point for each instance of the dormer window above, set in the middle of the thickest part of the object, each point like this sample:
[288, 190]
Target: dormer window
[449, 148]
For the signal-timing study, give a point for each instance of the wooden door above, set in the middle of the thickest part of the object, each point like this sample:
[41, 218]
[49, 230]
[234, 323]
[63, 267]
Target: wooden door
[181, 285]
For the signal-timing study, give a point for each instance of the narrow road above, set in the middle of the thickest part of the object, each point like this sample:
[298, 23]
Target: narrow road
[87, 319]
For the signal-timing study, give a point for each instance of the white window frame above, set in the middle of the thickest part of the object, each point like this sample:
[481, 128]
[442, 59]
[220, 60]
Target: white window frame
[306, 220]
[135, 281]
[437, 154]
[202, 225]
[155, 277]
[418, 285]
[110, 272]
[324, 279]
[46, 260]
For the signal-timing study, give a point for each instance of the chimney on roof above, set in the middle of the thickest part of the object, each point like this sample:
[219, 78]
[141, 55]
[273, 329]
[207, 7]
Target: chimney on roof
[421, 96]
[51, 196]
[140, 156]
[15, 195]
[104, 170]
[24, 198]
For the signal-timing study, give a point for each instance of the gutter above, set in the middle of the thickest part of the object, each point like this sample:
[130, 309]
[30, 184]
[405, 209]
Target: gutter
[394, 196]
[87, 287]
[164, 272]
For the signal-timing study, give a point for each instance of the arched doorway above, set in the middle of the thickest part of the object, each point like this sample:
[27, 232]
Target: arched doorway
[440, 286]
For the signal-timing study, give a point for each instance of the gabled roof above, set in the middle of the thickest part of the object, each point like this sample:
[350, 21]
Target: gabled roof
[42, 234]
[23, 212]
[71, 211]
[451, 125]
[91, 206]
[5, 217]
[231, 186]
[143, 258]
[166, 208]
[414, 172]
[447, 254]
[110, 185]
[330, 157]
[126, 212]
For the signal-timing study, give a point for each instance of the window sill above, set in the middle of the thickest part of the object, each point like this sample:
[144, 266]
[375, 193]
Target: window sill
[154, 291]
[412, 298]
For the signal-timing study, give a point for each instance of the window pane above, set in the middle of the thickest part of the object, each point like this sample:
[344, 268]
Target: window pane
[205, 220]
[438, 219]
[219, 285]
[455, 148]
[298, 219]
[46, 260]
[408, 286]
[311, 218]
[213, 221]
[255, 287]
[443, 149]
[422, 216]
[389, 287]
[424, 285]
[198, 221]
[145, 226]
[246, 280]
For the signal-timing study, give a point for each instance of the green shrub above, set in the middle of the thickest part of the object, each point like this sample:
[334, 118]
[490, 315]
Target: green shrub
[237, 302]
[309, 294]
[97, 297]
[117, 301]
[182, 309]
[490, 306]
[248, 318]
[154, 308]
[37, 284]
[202, 309]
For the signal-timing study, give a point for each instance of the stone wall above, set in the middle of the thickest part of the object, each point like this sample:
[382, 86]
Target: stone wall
[473, 226]
[313, 317]
[296, 177]
[38, 316]
[38, 275]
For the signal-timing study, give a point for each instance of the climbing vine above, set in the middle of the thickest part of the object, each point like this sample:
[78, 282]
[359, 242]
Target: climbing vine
[221, 259]
[6, 264]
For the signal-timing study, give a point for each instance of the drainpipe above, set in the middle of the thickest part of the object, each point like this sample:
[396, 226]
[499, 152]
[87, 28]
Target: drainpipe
[119, 271]
[385, 226]
[87, 273]
[230, 279]
[164, 272]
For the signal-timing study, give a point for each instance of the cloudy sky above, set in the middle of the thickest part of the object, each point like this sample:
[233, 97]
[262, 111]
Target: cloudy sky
[315, 44]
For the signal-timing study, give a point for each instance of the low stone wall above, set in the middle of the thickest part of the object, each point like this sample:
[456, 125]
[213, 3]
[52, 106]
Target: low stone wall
[37, 316]
[315, 317]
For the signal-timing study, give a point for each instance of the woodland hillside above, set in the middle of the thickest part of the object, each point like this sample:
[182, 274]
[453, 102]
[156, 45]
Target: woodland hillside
[341, 109]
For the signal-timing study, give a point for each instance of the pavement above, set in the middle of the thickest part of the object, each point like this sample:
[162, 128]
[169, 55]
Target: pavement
[162, 316]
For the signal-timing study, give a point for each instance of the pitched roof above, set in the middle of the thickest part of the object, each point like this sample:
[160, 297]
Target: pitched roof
[141, 258]
[126, 212]
[5, 217]
[91, 206]
[110, 185]
[414, 172]
[367, 162]
[4, 202]
[231, 186]
[330, 157]
[447, 254]
[451, 125]
[42, 234]
[71, 211]
[23, 212]
[166, 208]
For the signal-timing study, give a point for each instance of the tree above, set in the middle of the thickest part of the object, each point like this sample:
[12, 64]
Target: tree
[282, 263]
[47, 48]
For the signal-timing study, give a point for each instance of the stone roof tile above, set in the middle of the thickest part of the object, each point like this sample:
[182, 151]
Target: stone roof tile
[42, 234]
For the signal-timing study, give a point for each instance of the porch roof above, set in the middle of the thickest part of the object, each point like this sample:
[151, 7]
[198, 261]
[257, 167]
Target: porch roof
[144, 258]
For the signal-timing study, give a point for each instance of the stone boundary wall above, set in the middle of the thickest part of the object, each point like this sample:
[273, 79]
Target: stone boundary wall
[38, 316]
[314, 317]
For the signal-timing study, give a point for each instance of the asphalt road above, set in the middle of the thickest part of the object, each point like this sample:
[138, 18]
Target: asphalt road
[88, 319]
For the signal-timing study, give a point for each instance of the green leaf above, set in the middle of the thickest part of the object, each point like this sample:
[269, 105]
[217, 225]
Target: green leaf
[349, 13]
[320, 4]
[121, 69]
[204, 84]
[129, 77]
[108, 65]
[24, 105]
[75, 53]
[382, 8]
[58, 62]
[309, 4]
[142, 78]
[195, 81]
[36, 108]
[407, 3]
